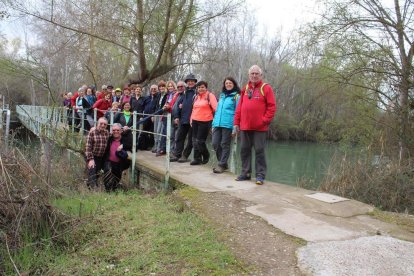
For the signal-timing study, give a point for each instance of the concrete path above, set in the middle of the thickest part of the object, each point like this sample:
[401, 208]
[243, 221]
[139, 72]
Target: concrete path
[291, 210]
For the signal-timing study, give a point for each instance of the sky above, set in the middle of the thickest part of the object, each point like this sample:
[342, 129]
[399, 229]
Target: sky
[274, 15]
[283, 15]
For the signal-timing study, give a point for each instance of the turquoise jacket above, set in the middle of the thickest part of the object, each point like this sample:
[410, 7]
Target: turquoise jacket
[224, 116]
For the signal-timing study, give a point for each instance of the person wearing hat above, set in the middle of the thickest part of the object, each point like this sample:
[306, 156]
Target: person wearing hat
[110, 88]
[118, 94]
[180, 153]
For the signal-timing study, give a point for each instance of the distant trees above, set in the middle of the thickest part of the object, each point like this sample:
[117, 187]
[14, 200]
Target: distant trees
[369, 45]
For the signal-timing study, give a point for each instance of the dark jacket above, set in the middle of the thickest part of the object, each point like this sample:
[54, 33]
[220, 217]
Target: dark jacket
[138, 105]
[126, 141]
[187, 102]
[151, 103]
[120, 118]
[175, 113]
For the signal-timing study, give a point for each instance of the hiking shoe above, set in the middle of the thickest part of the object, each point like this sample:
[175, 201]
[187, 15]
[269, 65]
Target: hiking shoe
[259, 180]
[173, 159]
[219, 169]
[160, 153]
[183, 159]
[195, 162]
[242, 177]
[205, 161]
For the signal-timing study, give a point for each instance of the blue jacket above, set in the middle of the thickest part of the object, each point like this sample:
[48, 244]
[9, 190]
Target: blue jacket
[187, 101]
[224, 116]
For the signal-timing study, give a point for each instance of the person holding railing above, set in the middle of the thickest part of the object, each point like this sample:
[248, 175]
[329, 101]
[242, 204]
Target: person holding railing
[102, 105]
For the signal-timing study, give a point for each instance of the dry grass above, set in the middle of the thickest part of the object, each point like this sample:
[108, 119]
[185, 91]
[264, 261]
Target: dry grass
[384, 183]
[26, 215]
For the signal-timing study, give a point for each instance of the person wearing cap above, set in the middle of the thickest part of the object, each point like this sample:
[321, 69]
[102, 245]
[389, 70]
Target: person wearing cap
[254, 113]
[110, 88]
[118, 94]
[180, 153]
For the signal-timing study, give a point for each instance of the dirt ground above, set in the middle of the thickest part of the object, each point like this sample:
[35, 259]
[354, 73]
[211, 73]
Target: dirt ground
[261, 248]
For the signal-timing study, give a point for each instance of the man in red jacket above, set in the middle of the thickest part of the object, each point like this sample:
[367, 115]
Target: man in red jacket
[254, 113]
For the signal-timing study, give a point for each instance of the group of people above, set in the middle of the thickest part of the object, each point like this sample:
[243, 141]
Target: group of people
[195, 111]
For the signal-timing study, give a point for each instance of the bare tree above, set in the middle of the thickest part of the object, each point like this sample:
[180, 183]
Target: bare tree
[151, 34]
[374, 41]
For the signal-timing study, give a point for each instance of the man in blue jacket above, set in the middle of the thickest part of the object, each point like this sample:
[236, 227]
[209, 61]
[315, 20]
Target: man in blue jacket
[180, 153]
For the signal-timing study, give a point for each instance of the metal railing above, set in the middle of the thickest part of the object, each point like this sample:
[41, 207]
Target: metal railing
[5, 123]
[56, 123]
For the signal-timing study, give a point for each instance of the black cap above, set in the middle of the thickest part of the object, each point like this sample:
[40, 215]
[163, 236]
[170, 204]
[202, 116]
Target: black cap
[110, 86]
[190, 77]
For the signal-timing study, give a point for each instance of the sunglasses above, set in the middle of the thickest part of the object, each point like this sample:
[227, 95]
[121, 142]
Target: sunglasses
[180, 86]
[250, 93]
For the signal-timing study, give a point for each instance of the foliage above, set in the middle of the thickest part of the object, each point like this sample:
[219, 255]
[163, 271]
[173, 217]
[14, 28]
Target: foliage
[374, 179]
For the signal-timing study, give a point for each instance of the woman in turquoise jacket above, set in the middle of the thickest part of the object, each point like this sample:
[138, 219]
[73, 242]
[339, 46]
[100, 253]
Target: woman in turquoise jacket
[223, 122]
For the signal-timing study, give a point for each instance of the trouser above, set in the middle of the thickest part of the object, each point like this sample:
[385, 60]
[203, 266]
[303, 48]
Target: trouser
[147, 139]
[173, 137]
[256, 139]
[183, 131]
[157, 130]
[221, 140]
[200, 133]
[163, 141]
[93, 172]
[112, 176]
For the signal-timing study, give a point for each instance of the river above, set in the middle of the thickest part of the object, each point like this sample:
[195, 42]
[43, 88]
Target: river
[288, 162]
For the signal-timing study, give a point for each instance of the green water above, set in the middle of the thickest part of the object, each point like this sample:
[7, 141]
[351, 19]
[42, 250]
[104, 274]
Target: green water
[288, 162]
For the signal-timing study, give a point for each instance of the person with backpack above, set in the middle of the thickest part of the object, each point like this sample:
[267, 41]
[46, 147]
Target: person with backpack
[182, 118]
[223, 122]
[204, 106]
[254, 113]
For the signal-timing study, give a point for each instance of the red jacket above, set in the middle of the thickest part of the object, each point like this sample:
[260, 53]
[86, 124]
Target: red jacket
[73, 100]
[257, 112]
[102, 106]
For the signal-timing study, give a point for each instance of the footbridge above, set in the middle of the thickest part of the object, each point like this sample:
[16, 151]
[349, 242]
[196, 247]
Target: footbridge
[338, 230]
[68, 129]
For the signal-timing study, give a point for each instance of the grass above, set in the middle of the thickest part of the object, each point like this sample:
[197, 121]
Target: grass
[141, 235]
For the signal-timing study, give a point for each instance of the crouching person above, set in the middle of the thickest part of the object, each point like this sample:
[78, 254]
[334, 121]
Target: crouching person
[116, 156]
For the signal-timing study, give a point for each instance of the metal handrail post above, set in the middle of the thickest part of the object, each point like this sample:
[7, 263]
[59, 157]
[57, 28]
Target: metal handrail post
[167, 155]
[95, 116]
[111, 119]
[73, 120]
[6, 139]
[134, 145]
[83, 121]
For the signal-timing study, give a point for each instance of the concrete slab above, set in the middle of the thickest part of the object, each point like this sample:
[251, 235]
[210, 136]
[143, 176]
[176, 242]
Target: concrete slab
[328, 198]
[288, 208]
[376, 256]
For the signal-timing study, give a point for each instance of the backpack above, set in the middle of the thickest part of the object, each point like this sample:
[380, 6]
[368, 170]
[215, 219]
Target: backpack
[208, 100]
[261, 89]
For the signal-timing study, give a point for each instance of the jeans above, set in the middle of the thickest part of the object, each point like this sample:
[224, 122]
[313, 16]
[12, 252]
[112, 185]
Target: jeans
[112, 176]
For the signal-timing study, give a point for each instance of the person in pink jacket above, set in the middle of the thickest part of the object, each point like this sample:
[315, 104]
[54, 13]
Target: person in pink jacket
[254, 113]
[204, 106]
